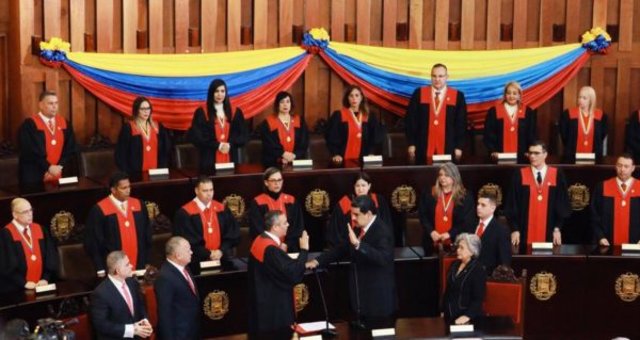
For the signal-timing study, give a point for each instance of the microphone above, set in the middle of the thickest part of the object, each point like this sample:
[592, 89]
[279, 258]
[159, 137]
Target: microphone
[326, 332]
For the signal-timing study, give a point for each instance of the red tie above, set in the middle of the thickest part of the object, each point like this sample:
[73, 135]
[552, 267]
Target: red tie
[480, 229]
[51, 126]
[27, 237]
[624, 187]
[186, 275]
[127, 297]
[437, 100]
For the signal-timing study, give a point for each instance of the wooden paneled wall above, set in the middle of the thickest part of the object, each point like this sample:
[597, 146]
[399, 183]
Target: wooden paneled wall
[196, 26]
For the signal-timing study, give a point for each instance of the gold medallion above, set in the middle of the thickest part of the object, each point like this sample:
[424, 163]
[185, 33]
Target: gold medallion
[585, 143]
[148, 148]
[435, 122]
[512, 129]
[288, 139]
[222, 136]
[539, 197]
[126, 223]
[359, 135]
[33, 258]
[445, 218]
[210, 230]
[53, 142]
[624, 203]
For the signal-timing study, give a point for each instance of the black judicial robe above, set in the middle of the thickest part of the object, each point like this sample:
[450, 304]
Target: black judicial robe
[12, 260]
[373, 264]
[272, 276]
[493, 136]
[272, 148]
[262, 203]
[129, 149]
[341, 215]
[568, 129]
[337, 135]
[33, 161]
[517, 206]
[463, 216]
[602, 213]
[496, 245]
[632, 136]
[102, 235]
[417, 124]
[465, 292]
[202, 135]
[189, 226]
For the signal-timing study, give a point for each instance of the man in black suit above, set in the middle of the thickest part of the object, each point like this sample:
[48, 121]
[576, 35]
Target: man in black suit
[496, 246]
[177, 295]
[372, 285]
[117, 308]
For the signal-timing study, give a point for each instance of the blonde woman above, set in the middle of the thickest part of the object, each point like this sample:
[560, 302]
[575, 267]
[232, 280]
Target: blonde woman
[583, 128]
[510, 126]
[446, 210]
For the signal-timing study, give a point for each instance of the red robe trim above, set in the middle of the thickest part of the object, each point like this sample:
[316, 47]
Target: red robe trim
[286, 137]
[222, 135]
[437, 123]
[279, 204]
[443, 220]
[583, 138]
[509, 127]
[259, 247]
[53, 143]
[34, 266]
[212, 240]
[128, 234]
[149, 147]
[621, 213]
[354, 135]
[537, 223]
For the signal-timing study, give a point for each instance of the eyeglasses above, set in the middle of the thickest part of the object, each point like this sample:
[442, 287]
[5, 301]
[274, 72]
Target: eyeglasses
[28, 211]
[275, 180]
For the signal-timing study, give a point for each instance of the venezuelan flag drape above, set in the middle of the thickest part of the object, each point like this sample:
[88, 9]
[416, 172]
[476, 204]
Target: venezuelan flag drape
[177, 84]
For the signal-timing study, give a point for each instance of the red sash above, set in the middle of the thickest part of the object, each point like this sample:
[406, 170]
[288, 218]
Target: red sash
[287, 137]
[443, 220]
[621, 213]
[279, 204]
[33, 254]
[538, 202]
[509, 127]
[437, 120]
[53, 143]
[259, 246]
[354, 134]
[149, 146]
[222, 136]
[126, 225]
[585, 140]
[209, 219]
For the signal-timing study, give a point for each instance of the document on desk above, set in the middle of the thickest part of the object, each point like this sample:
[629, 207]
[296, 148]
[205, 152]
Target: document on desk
[310, 327]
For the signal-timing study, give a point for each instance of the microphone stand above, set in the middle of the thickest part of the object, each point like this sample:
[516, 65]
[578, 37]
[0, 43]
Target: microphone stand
[326, 332]
[358, 322]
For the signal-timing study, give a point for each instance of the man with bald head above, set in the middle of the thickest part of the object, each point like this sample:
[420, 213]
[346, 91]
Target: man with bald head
[29, 257]
[178, 299]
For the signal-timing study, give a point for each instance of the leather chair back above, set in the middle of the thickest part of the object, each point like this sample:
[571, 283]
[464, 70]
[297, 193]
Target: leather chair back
[318, 151]
[9, 171]
[252, 152]
[97, 164]
[186, 156]
[75, 264]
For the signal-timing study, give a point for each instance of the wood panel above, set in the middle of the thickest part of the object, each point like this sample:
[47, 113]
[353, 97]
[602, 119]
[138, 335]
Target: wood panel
[208, 22]
[156, 26]
[181, 20]
[113, 24]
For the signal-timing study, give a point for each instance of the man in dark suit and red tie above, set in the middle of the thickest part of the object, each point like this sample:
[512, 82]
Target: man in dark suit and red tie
[117, 307]
[436, 119]
[177, 295]
[615, 206]
[496, 246]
